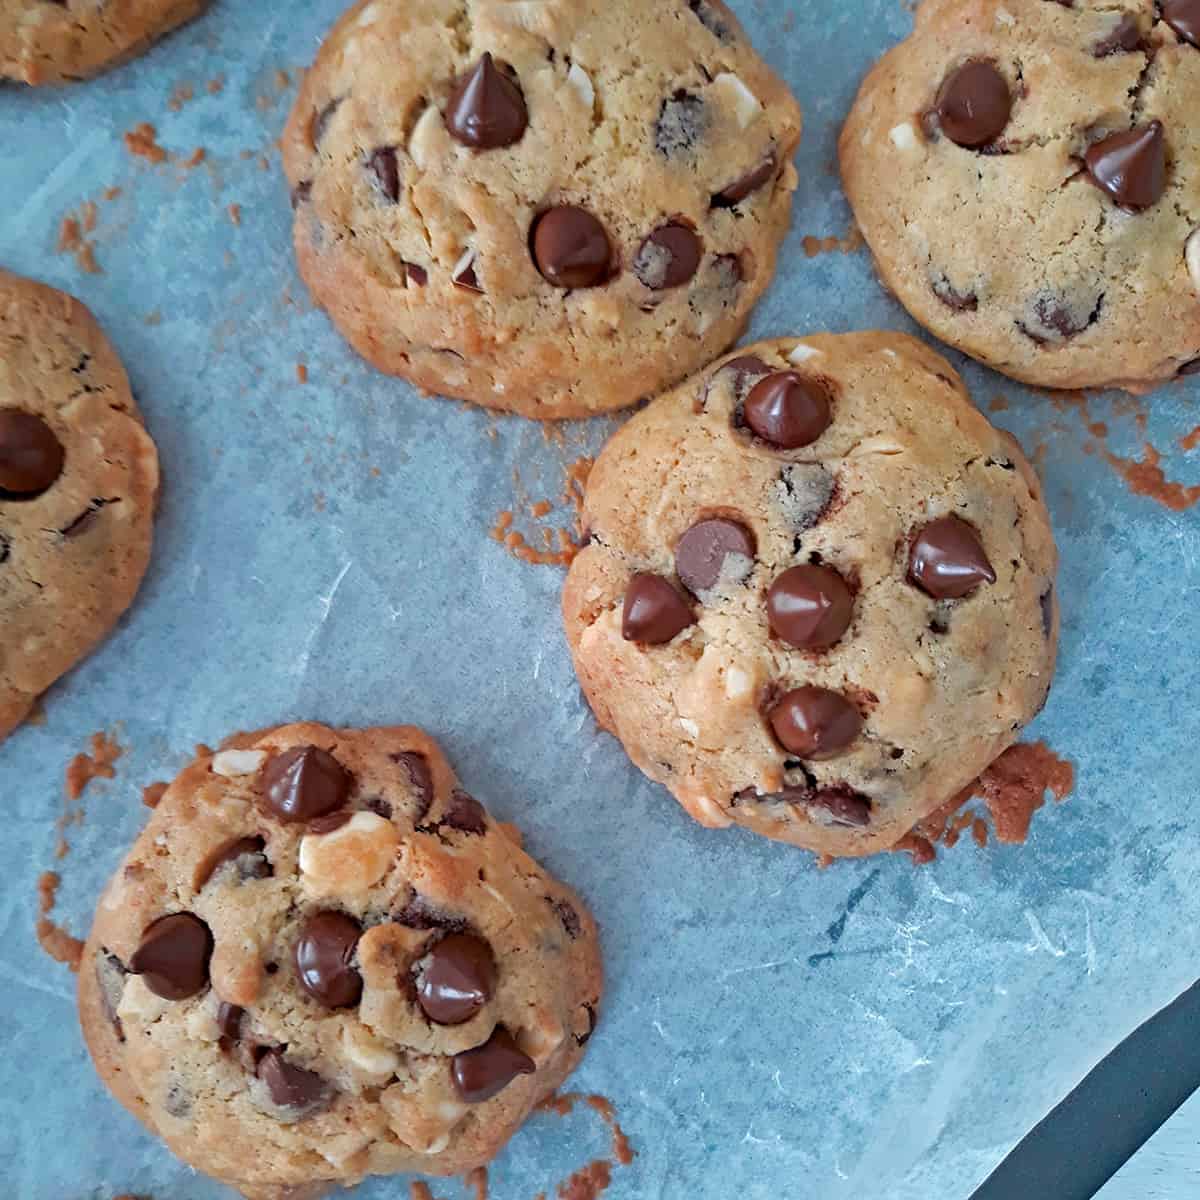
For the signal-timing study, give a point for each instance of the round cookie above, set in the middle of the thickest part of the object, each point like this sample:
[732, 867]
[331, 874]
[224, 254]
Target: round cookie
[78, 482]
[818, 595]
[322, 960]
[552, 208]
[1027, 175]
[56, 41]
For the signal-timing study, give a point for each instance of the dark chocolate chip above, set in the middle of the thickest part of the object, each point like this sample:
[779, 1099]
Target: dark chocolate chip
[248, 857]
[86, 519]
[570, 248]
[290, 1086]
[487, 108]
[324, 825]
[172, 957]
[323, 956]
[457, 979]
[701, 554]
[682, 122]
[1047, 604]
[806, 492]
[464, 813]
[947, 560]
[417, 767]
[481, 1073]
[1189, 368]
[1125, 38]
[320, 122]
[304, 783]
[788, 410]
[301, 192]
[1131, 166]
[229, 1025]
[380, 807]
[1058, 319]
[568, 916]
[732, 194]
[383, 164]
[466, 279]
[1183, 16]
[809, 607]
[974, 104]
[815, 723]
[31, 457]
[417, 913]
[654, 611]
[745, 368]
[668, 257]
[954, 299]
[5, 549]
[714, 16]
[415, 274]
[845, 806]
[582, 1039]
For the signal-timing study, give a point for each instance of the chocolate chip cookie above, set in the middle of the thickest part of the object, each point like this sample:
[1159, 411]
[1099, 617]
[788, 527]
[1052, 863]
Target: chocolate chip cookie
[1027, 175]
[323, 959]
[78, 482]
[818, 597]
[56, 41]
[553, 208]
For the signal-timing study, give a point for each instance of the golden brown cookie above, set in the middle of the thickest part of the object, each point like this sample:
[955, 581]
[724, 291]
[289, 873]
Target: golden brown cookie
[1027, 174]
[323, 959]
[554, 208]
[78, 482]
[818, 597]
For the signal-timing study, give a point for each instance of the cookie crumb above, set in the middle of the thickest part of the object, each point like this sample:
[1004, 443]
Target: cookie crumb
[850, 244]
[588, 1182]
[182, 94]
[420, 1190]
[216, 85]
[301, 372]
[1190, 441]
[197, 157]
[235, 213]
[623, 1152]
[83, 768]
[152, 793]
[111, 193]
[142, 142]
[152, 318]
[52, 938]
[478, 1180]
[1145, 477]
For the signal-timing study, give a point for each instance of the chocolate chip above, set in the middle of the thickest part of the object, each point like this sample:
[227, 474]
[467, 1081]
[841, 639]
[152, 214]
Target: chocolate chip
[457, 979]
[301, 192]
[1189, 368]
[815, 723]
[582, 1039]
[668, 257]
[421, 780]
[465, 813]
[974, 104]
[570, 248]
[745, 368]
[947, 560]
[172, 957]
[417, 913]
[1183, 16]
[5, 549]
[464, 276]
[110, 981]
[1131, 166]
[486, 108]
[248, 857]
[323, 955]
[844, 805]
[654, 611]
[704, 550]
[415, 274]
[86, 519]
[320, 122]
[809, 607]
[732, 194]
[380, 807]
[481, 1073]
[229, 1025]
[31, 457]
[714, 16]
[382, 163]
[568, 916]
[304, 783]
[1058, 319]
[954, 299]
[682, 122]
[1047, 604]
[788, 410]
[1125, 38]
[324, 825]
[290, 1086]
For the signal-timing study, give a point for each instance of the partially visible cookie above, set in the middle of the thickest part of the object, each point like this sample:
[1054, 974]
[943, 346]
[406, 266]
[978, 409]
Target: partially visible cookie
[56, 41]
[1027, 174]
[78, 482]
[554, 208]
[323, 959]
[818, 597]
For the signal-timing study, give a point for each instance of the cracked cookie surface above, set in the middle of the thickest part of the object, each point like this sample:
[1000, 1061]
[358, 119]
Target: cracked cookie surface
[554, 208]
[818, 597]
[57, 41]
[78, 483]
[1027, 175]
[323, 959]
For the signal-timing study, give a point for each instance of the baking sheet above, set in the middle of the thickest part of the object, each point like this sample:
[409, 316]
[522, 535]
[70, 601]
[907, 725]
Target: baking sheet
[869, 1031]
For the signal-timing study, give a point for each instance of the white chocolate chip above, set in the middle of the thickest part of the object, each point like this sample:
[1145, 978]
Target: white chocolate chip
[690, 727]
[366, 1052]
[351, 858]
[903, 136]
[1004, 17]
[232, 763]
[875, 445]
[366, 18]
[139, 1003]
[802, 353]
[580, 83]
[734, 93]
[737, 683]
[435, 1147]
[543, 1039]
[424, 134]
[465, 263]
[1192, 258]
[201, 1024]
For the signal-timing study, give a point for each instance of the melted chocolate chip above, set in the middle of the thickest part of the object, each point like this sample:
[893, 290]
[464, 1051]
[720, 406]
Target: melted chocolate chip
[788, 410]
[301, 192]
[1189, 368]
[654, 611]
[419, 914]
[583, 1038]
[732, 194]
[682, 122]
[421, 780]
[465, 814]
[86, 519]
[172, 957]
[323, 955]
[668, 257]
[5, 549]
[974, 104]
[805, 493]
[229, 1024]
[844, 805]
[745, 368]
[704, 550]
[714, 16]
[815, 723]
[304, 783]
[1183, 16]
[458, 978]
[487, 108]
[1131, 166]
[953, 299]
[1125, 38]
[1058, 319]
[568, 916]
[290, 1086]
[320, 122]
[415, 274]
[382, 163]
[31, 457]
[380, 807]
[947, 560]
[247, 856]
[570, 248]
[1047, 606]
[483, 1072]
[324, 825]
[809, 607]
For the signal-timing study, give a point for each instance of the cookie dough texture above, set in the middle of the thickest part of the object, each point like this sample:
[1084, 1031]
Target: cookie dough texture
[1010, 251]
[56, 41]
[646, 116]
[415, 864]
[73, 554]
[941, 686]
